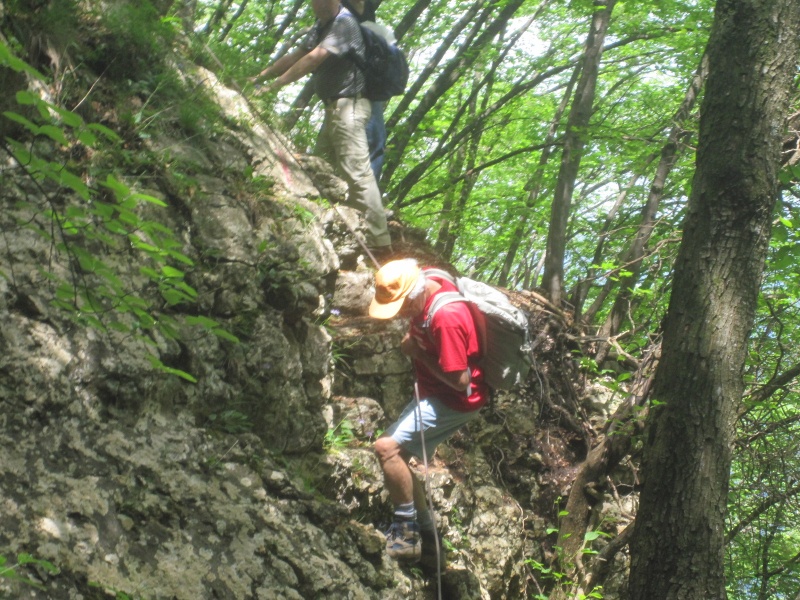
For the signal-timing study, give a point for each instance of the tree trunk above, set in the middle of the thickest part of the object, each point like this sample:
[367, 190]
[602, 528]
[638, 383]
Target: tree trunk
[574, 141]
[678, 542]
[582, 287]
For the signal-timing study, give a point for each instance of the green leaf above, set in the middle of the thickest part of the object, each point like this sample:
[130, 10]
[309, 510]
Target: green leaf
[87, 138]
[226, 335]
[7, 58]
[150, 199]
[172, 272]
[151, 273]
[75, 183]
[174, 297]
[181, 257]
[186, 288]
[146, 321]
[70, 118]
[119, 326]
[144, 246]
[26, 98]
[18, 118]
[105, 131]
[162, 367]
[27, 559]
[202, 321]
[120, 190]
[54, 133]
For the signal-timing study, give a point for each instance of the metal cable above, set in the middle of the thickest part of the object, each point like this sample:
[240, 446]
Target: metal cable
[428, 494]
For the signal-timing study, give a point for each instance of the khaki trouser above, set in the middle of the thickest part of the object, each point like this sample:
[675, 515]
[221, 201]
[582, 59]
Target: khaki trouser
[343, 142]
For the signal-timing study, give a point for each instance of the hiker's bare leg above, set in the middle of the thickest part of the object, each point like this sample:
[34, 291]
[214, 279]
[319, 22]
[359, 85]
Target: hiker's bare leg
[398, 478]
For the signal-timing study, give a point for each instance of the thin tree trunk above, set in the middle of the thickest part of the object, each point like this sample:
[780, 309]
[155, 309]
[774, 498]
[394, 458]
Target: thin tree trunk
[590, 478]
[574, 141]
[445, 240]
[632, 259]
[677, 548]
[450, 74]
[230, 23]
[291, 16]
[451, 139]
[410, 18]
[216, 16]
[582, 288]
[457, 216]
[535, 182]
[468, 18]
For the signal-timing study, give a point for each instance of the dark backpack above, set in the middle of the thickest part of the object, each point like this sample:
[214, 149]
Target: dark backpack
[384, 66]
[503, 329]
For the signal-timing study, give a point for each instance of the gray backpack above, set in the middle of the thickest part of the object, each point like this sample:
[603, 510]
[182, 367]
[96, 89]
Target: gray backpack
[503, 329]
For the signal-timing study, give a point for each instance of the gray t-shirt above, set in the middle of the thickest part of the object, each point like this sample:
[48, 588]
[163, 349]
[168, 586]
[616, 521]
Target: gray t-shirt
[337, 76]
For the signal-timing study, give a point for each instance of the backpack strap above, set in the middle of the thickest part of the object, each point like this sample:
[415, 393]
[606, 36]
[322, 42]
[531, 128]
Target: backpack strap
[359, 62]
[478, 318]
[441, 299]
[442, 274]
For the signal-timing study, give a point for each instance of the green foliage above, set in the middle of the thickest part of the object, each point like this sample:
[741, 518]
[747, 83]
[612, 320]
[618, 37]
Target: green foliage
[136, 40]
[566, 587]
[118, 594]
[107, 215]
[339, 437]
[457, 537]
[230, 420]
[11, 572]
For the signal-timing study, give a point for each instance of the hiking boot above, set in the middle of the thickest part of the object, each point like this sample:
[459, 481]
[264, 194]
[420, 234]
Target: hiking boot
[402, 541]
[428, 558]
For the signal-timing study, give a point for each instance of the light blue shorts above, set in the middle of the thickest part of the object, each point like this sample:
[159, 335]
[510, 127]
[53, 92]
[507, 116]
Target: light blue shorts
[439, 423]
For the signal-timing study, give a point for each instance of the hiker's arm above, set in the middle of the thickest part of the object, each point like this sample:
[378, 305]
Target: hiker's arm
[302, 66]
[280, 66]
[458, 380]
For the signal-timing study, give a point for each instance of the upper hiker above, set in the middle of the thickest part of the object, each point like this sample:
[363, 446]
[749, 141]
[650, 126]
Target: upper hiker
[364, 12]
[339, 84]
[450, 387]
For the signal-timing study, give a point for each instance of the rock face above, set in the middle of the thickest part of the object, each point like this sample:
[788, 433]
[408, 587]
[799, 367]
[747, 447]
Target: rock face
[256, 480]
[160, 508]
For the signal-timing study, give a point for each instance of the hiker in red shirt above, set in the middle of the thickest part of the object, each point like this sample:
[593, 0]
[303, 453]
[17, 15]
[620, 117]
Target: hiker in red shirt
[451, 391]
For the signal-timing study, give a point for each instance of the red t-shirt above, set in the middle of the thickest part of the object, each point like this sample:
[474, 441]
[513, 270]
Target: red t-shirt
[453, 339]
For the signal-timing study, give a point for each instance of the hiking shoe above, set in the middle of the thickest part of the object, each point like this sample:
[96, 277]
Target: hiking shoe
[428, 557]
[403, 542]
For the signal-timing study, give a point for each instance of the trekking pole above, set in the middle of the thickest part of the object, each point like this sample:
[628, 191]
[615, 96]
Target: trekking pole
[258, 114]
[428, 494]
